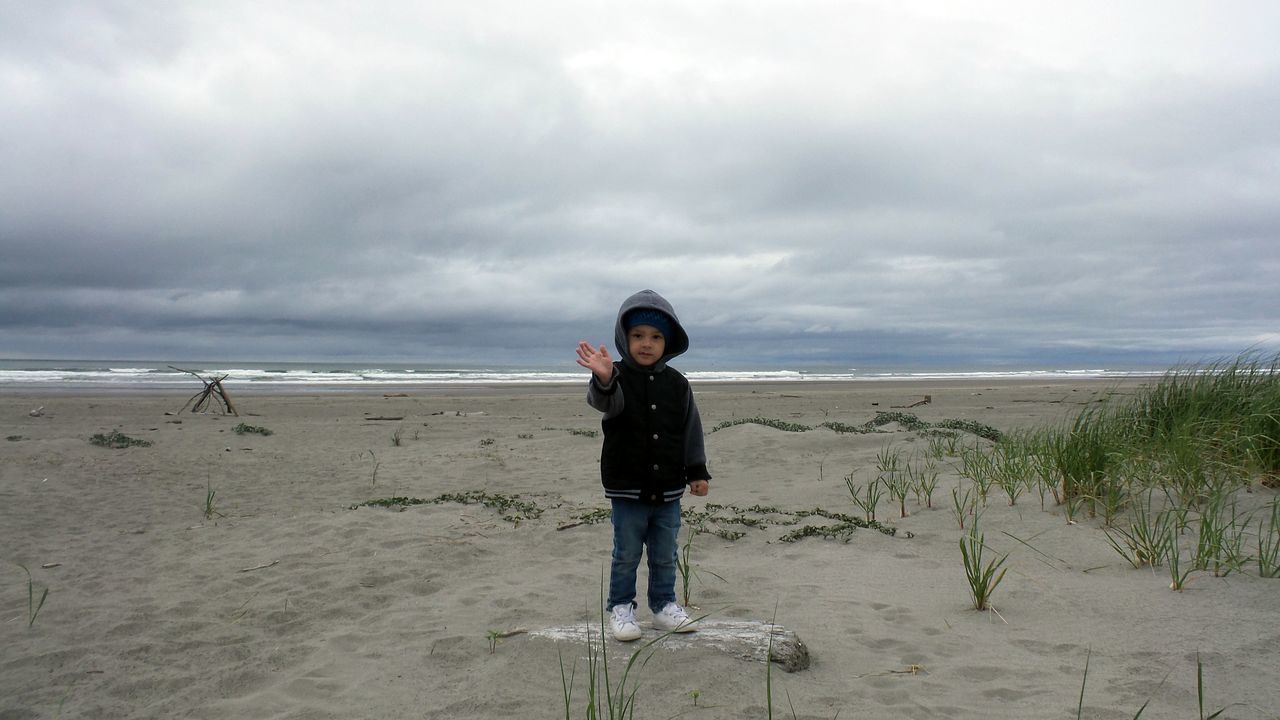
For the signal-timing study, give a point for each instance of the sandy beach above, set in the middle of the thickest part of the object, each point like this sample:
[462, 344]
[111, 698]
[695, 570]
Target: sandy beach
[282, 596]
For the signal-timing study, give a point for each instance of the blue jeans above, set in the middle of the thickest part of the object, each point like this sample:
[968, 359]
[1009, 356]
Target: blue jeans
[635, 526]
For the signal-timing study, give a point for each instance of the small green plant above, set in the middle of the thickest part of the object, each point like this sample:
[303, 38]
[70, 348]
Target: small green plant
[33, 605]
[1212, 532]
[606, 699]
[964, 505]
[397, 436]
[1146, 541]
[685, 566]
[492, 636]
[1200, 692]
[865, 497]
[1011, 468]
[977, 465]
[923, 479]
[891, 476]
[211, 503]
[373, 481]
[1178, 573]
[942, 446]
[486, 442]
[246, 429]
[1269, 543]
[982, 579]
[118, 440]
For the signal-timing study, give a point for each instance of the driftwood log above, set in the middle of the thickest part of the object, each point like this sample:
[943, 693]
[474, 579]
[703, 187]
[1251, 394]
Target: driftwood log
[745, 639]
[213, 393]
[927, 399]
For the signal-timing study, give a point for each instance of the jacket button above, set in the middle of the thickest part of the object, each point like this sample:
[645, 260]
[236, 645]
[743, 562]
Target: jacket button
[650, 378]
[655, 436]
[655, 467]
[653, 407]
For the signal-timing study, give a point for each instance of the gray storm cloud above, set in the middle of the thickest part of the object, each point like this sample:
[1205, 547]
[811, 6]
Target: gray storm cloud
[831, 182]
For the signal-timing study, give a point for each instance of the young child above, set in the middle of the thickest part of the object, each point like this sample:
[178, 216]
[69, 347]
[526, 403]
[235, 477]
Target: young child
[652, 448]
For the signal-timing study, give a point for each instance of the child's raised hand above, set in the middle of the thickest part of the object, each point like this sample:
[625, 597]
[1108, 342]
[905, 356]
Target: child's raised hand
[596, 360]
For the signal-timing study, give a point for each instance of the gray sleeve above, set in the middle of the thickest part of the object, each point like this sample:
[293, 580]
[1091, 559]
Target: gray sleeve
[695, 449]
[607, 399]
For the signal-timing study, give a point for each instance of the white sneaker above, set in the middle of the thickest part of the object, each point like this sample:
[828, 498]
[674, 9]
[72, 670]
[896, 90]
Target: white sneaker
[673, 618]
[622, 622]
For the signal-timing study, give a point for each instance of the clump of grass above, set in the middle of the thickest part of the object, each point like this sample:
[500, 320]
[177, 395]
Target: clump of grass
[211, 503]
[246, 429]
[605, 698]
[1178, 573]
[923, 478]
[1268, 556]
[943, 444]
[1197, 436]
[978, 465]
[866, 497]
[118, 440]
[685, 565]
[982, 579]
[33, 605]
[1146, 541]
[891, 475]
[964, 504]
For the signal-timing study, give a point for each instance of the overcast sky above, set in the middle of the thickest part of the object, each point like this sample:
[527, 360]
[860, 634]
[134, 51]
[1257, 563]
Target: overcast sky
[845, 182]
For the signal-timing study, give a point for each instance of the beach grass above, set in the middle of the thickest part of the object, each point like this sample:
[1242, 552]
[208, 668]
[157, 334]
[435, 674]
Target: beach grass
[211, 502]
[607, 698]
[33, 605]
[982, 578]
[1195, 438]
[866, 497]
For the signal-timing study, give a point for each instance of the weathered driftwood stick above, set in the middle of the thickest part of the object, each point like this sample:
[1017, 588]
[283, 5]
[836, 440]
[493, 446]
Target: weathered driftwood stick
[745, 639]
[222, 393]
[212, 389]
[927, 399]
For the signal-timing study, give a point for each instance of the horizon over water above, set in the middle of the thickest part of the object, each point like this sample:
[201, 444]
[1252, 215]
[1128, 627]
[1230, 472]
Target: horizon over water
[125, 375]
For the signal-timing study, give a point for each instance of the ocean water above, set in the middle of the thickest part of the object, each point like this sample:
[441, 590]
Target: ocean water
[125, 375]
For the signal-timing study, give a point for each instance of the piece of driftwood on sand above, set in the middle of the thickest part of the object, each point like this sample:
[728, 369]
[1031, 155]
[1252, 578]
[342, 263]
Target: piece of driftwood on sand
[213, 391]
[746, 639]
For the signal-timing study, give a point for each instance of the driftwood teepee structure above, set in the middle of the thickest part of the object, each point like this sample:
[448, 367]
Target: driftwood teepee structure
[213, 393]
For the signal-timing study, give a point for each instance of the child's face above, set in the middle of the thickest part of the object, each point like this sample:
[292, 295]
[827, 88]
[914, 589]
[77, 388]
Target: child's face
[646, 344]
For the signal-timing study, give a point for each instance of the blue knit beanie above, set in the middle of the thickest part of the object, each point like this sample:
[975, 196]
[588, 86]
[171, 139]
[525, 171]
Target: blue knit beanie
[645, 316]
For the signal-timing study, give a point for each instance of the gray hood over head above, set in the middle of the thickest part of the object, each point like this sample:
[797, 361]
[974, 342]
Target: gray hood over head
[677, 340]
